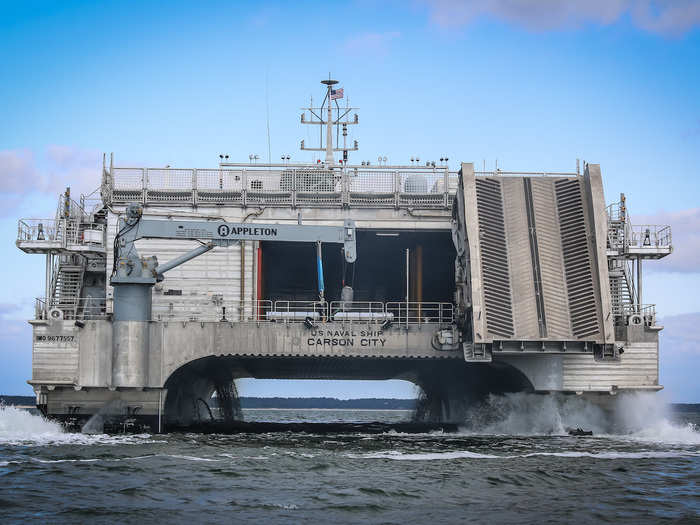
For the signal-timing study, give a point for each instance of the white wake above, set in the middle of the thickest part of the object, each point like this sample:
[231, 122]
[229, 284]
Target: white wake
[20, 427]
[637, 417]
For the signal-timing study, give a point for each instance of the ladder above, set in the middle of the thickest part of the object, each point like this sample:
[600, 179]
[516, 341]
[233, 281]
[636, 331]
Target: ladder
[68, 286]
[622, 290]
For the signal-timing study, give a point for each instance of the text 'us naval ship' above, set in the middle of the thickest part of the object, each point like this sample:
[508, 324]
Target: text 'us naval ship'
[179, 281]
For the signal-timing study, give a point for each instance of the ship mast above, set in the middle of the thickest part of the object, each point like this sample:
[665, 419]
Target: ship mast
[329, 131]
[340, 122]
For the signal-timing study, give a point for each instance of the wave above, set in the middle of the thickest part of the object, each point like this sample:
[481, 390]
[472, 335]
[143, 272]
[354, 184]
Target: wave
[20, 427]
[466, 454]
[641, 417]
[426, 456]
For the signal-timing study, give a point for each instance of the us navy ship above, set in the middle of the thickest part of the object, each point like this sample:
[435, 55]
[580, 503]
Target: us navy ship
[464, 282]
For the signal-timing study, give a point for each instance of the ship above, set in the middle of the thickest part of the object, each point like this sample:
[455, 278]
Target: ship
[465, 282]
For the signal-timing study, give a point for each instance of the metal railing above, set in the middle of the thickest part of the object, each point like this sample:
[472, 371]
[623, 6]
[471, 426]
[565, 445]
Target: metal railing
[616, 211]
[56, 309]
[635, 314]
[284, 186]
[420, 313]
[348, 311]
[649, 236]
[501, 173]
[37, 230]
[623, 235]
[297, 311]
[65, 232]
[400, 313]
[226, 311]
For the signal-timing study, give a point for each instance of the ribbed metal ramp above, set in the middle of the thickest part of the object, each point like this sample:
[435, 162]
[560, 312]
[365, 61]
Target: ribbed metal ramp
[537, 264]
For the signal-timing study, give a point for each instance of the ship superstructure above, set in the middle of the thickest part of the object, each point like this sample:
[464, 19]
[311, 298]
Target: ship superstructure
[466, 282]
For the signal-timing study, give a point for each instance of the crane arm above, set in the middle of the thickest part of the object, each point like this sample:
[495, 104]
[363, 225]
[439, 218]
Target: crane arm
[217, 232]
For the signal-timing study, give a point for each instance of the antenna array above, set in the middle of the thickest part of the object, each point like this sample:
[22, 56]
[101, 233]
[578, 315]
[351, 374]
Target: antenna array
[314, 116]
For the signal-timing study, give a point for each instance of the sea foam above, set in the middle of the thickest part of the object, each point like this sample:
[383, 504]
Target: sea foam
[639, 417]
[20, 427]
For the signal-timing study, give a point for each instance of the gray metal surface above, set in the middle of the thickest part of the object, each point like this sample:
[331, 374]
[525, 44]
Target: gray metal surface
[132, 302]
[535, 258]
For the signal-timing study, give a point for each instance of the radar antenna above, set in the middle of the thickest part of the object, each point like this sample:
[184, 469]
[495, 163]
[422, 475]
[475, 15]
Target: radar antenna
[340, 122]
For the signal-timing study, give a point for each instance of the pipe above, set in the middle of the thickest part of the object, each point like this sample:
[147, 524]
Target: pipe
[241, 315]
[48, 282]
[408, 281]
[259, 291]
[319, 261]
[177, 261]
[639, 283]
[253, 214]
[419, 277]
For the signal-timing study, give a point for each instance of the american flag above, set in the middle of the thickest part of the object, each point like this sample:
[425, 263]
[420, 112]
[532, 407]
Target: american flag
[336, 93]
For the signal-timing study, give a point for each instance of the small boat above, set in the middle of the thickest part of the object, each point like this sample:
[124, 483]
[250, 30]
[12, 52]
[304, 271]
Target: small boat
[578, 431]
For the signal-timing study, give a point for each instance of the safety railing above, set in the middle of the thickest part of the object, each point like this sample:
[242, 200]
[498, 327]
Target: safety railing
[503, 173]
[297, 311]
[224, 311]
[399, 313]
[284, 186]
[36, 230]
[57, 309]
[635, 314]
[306, 311]
[649, 236]
[616, 211]
[366, 311]
[62, 233]
[421, 312]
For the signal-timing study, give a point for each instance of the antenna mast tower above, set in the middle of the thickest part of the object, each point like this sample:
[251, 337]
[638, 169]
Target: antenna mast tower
[341, 122]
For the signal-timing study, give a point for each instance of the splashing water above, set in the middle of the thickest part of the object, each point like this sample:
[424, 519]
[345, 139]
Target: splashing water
[17, 425]
[20, 427]
[639, 416]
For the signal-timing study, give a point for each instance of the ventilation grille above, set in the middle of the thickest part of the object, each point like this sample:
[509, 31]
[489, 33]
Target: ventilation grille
[577, 259]
[494, 258]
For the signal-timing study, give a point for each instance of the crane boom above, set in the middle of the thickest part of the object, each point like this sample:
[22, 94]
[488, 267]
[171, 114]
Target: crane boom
[133, 276]
[129, 267]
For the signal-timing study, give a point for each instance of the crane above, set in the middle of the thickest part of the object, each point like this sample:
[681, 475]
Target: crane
[133, 275]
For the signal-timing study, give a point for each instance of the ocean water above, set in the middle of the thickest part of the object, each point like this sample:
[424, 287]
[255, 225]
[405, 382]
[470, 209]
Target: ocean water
[512, 462]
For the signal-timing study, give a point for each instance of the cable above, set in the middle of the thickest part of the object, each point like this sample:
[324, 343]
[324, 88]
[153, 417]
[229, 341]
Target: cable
[126, 229]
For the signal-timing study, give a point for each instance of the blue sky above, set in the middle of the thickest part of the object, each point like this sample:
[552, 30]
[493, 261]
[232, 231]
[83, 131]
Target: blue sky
[611, 82]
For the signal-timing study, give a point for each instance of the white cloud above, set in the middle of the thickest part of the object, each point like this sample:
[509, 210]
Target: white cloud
[24, 173]
[371, 43]
[669, 17]
[685, 231]
[17, 169]
[8, 308]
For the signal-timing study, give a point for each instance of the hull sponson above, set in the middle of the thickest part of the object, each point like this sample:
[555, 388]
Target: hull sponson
[83, 376]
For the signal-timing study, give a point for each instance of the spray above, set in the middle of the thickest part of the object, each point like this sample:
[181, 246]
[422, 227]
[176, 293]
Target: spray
[635, 416]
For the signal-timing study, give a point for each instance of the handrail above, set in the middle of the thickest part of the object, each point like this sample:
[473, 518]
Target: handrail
[649, 235]
[82, 308]
[284, 185]
[498, 172]
[64, 231]
[400, 313]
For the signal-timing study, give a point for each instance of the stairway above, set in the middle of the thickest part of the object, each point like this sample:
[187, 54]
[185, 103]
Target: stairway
[67, 287]
[621, 289]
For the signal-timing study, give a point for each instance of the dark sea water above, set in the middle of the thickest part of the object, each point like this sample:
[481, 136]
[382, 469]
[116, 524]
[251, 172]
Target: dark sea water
[512, 463]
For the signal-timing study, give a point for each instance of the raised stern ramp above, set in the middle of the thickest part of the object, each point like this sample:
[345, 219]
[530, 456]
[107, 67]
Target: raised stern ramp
[532, 252]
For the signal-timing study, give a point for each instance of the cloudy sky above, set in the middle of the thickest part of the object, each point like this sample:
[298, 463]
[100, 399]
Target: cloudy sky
[532, 84]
